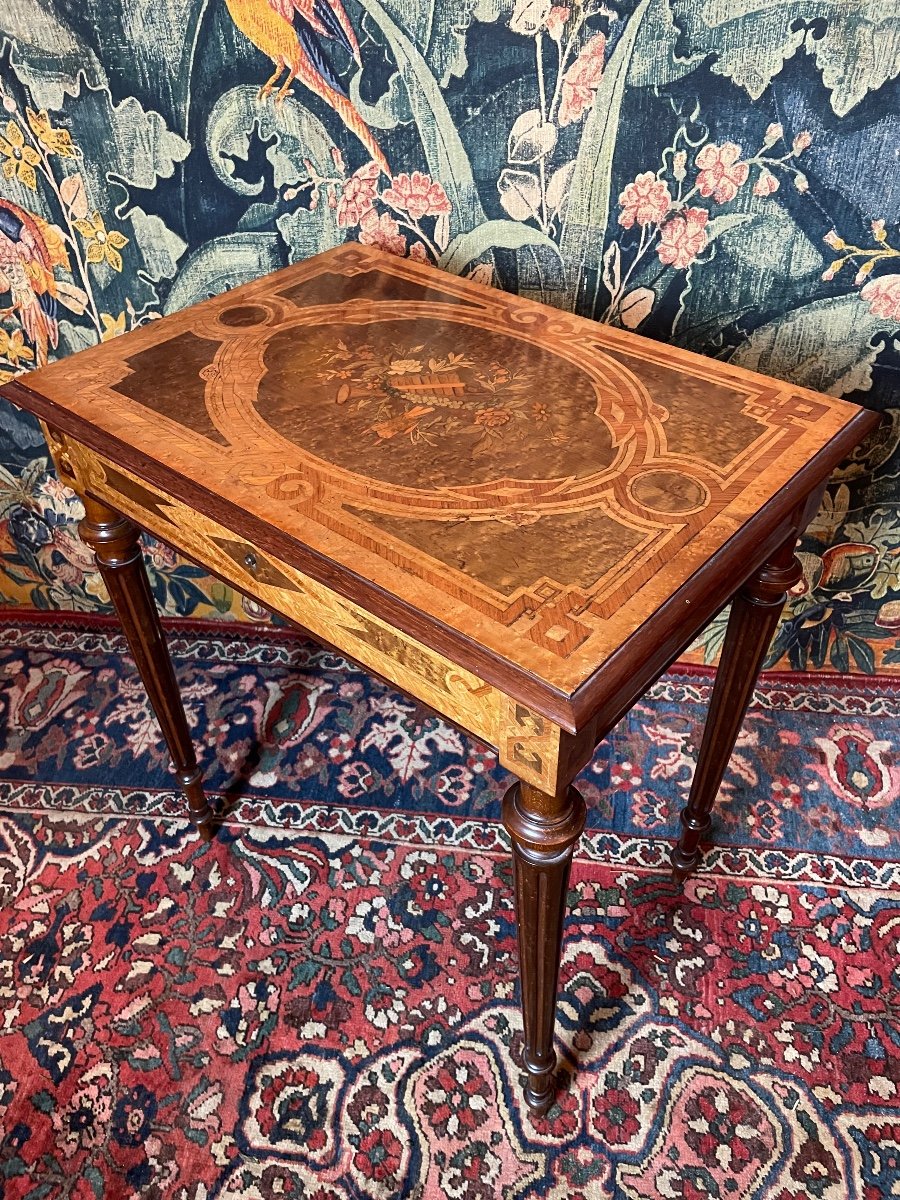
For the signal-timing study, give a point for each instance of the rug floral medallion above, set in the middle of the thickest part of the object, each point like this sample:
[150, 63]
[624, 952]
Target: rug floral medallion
[323, 1002]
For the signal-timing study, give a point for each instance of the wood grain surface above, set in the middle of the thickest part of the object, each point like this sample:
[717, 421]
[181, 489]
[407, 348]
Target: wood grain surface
[522, 486]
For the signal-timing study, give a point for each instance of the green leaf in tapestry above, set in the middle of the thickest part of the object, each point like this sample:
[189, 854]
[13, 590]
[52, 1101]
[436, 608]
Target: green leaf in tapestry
[308, 232]
[237, 117]
[221, 595]
[769, 239]
[826, 345]
[718, 227]
[587, 212]
[840, 653]
[389, 110]
[863, 654]
[256, 217]
[160, 40]
[491, 235]
[224, 263]
[439, 28]
[49, 55]
[160, 247]
[138, 148]
[74, 337]
[856, 45]
[761, 255]
[444, 152]
[153, 43]
[656, 60]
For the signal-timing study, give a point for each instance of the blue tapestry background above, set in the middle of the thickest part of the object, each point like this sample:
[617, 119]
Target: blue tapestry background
[721, 178]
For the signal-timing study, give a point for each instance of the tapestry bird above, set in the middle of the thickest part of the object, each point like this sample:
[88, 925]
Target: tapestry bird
[29, 250]
[289, 32]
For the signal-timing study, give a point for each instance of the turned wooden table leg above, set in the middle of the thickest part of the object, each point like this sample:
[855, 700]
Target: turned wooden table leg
[116, 543]
[544, 830]
[755, 611]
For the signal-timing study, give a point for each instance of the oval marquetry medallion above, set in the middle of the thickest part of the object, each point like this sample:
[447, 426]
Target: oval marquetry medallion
[402, 401]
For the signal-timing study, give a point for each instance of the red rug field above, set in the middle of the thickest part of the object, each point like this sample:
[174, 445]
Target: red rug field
[322, 1003]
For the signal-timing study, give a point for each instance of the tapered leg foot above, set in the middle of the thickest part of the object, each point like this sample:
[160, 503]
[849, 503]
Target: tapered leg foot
[116, 544]
[685, 862]
[544, 830]
[755, 611]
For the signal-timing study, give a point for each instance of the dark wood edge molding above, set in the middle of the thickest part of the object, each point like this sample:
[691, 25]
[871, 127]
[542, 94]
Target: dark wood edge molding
[706, 592]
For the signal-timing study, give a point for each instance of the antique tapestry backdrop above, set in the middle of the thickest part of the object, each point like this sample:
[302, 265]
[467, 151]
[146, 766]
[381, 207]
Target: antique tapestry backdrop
[710, 173]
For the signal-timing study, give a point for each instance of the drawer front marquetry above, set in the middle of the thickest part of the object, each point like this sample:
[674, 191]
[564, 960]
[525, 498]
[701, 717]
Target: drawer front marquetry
[527, 742]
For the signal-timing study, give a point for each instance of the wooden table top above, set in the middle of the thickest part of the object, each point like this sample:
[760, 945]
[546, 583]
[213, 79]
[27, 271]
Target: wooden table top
[511, 484]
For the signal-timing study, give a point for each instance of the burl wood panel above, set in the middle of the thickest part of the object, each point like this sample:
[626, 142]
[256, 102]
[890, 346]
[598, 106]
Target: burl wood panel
[537, 482]
[528, 743]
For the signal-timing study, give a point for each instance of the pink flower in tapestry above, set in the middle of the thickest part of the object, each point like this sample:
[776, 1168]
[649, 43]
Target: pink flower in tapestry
[721, 174]
[580, 82]
[883, 296]
[358, 195]
[683, 238]
[418, 194]
[646, 201]
[383, 232]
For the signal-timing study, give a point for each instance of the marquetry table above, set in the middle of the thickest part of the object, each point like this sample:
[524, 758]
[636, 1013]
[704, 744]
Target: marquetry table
[515, 515]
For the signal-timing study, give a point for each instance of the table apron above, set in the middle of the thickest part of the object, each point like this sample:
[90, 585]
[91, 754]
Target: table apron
[528, 743]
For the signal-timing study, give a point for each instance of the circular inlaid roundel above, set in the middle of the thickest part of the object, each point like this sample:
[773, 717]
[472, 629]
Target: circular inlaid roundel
[243, 316]
[429, 403]
[666, 491]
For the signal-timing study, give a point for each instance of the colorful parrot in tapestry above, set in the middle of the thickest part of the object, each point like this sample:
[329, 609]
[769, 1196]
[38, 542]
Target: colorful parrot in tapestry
[29, 250]
[289, 32]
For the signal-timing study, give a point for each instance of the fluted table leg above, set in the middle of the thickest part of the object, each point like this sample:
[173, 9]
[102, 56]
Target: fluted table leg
[755, 611]
[544, 830]
[116, 544]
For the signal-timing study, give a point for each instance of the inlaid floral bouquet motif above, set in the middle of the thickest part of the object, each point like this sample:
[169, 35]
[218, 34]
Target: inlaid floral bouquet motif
[408, 391]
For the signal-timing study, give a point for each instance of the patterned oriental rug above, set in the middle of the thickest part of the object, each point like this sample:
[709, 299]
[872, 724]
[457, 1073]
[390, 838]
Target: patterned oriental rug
[322, 1003]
